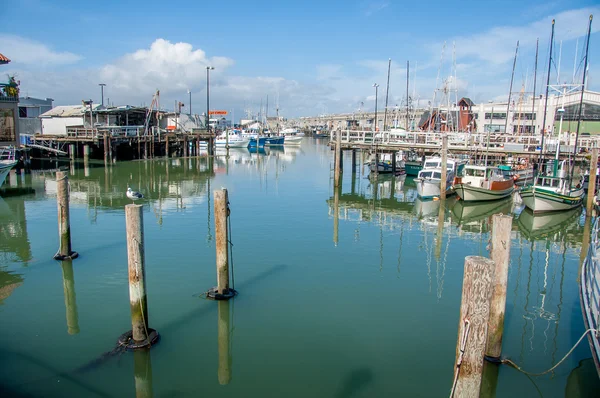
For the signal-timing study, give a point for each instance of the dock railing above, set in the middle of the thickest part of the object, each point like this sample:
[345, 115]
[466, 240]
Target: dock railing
[590, 291]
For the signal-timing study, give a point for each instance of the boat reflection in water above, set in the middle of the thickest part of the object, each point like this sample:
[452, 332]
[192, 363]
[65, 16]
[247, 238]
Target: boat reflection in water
[468, 214]
[533, 225]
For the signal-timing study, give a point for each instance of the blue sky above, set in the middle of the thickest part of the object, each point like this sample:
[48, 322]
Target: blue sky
[317, 56]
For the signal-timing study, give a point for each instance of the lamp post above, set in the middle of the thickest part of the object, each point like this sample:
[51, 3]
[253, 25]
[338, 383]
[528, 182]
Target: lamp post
[376, 87]
[102, 92]
[208, 69]
[190, 93]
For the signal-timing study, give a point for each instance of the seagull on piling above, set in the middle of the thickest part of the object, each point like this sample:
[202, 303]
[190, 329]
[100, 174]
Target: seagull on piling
[133, 195]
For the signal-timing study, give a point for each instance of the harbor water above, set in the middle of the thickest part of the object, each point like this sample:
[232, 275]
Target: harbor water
[347, 293]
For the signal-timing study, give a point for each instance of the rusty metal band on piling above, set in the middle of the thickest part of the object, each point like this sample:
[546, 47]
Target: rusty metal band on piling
[500, 255]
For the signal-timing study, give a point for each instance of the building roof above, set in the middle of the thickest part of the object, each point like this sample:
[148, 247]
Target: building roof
[68, 110]
[3, 60]
[467, 100]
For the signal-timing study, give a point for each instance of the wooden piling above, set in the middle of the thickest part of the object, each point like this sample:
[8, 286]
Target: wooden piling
[472, 326]
[72, 151]
[338, 159]
[185, 146]
[224, 341]
[376, 168]
[221, 207]
[106, 149]
[354, 161]
[444, 166]
[86, 153]
[70, 298]
[393, 163]
[64, 223]
[134, 223]
[500, 255]
[167, 146]
[592, 183]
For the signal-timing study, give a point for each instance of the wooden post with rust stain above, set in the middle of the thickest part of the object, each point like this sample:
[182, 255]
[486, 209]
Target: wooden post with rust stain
[224, 341]
[444, 166]
[64, 222]
[500, 255]
[134, 223]
[472, 326]
[222, 240]
[338, 159]
[70, 298]
[592, 183]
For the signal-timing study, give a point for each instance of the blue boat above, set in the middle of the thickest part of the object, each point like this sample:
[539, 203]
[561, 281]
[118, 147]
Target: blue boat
[276, 140]
[261, 142]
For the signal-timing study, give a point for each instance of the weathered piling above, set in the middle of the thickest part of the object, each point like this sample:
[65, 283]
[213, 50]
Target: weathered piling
[592, 183]
[70, 298]
[393, 163]
[86, 153]
[142, 373]
[354, 161]
[338, 159]
[64, 223]
[72, 151]
[221, 210]
[444, 166]
[500, 255]
[224, 341]
[140, 335]
[472, 327]
[167, 146]
[106, 149]
[376, 165]
[186, 147]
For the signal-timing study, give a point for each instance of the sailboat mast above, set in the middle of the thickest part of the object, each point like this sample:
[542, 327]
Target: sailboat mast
[407, 101]
[547, 88]
[387, 91]
[512, 77]
[585, 65]
[533, 113]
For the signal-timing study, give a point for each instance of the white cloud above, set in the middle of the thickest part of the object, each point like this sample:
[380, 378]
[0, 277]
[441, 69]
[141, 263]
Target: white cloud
[29, 52]
[375, 7]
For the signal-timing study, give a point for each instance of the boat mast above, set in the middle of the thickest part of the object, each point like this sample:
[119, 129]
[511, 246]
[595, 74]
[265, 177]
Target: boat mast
[512, 77]
[547, 88]
[585, 65]
[387, 91]
[533, 113]
[407, 101]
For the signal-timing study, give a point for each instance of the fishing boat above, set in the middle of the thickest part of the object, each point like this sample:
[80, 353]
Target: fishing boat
[274, 140]
[295, 140]
[261, 142]
[233, 141]
[553, 192]
[482, 183]
[413, 164]
[520, 174]
[7, 162]
[384, 164]
[429, 183]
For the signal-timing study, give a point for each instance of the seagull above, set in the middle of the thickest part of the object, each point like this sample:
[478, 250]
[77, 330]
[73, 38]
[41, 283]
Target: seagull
[133, 195]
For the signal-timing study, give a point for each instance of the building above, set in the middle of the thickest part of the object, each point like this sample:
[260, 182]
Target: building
[61, 118]
[29, 111]
[9, 97]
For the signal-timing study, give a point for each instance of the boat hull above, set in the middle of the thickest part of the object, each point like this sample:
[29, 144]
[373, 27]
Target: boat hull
[429, 189]
[413, 168]
[274, 141]
[293, 141]
[540, 200]
[261, 142]
[469, 193]
[4, 170]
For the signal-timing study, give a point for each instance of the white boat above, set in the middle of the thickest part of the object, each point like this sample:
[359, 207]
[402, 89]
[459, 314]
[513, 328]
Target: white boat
[234, 141]
[429, 183]
[553, 193]
[291, 132]
[7, 162]
[294, 140]
[482, 183]
[384, 164]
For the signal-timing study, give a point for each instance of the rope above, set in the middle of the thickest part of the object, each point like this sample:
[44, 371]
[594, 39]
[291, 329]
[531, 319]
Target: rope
[230, 244]
[463, 345]
[514, 365]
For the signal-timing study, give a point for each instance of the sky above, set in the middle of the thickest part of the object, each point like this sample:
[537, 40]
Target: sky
[309, 57]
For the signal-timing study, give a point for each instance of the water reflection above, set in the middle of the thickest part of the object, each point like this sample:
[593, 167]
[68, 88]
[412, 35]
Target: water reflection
[225, 334]
[70, 297]
[142, 370]
[14, 241]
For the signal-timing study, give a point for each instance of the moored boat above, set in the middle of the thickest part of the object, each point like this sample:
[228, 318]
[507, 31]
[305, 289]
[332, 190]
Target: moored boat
[384, 164]
[7, 162]
[429, 183]
[521, 174]
[483, 183]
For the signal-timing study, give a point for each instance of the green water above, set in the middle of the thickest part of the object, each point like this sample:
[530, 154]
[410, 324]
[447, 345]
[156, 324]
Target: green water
[354, 294]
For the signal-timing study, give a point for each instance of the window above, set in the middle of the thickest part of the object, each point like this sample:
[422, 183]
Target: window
[494, 128]
[7, 125]
[497, 115]
[437, 175]
[429, 165]
[426, 174]
[523, 116]
[22, 111]
[527, 129]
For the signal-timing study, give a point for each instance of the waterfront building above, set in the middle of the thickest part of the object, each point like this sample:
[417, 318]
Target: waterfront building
[9, 97]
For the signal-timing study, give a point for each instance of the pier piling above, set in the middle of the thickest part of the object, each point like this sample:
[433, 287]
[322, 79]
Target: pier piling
[64, 223]
[72, 151]
[472, 327]
[393, 164]
[444, 166]
[141, 335]
[592, 182]
[500, 255]
[167, 146]
[338, 159]
[221, 211]
[106, 149]
[354, 161]
[86, 153]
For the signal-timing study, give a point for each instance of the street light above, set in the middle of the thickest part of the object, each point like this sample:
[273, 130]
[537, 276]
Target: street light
[102, 92]
[208, 69]
[376, 87]
[190, 93]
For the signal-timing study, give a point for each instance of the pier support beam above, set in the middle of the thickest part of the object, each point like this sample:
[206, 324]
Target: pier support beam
[72, 151]
[64, 223]
[140, 335]
[394, 164]
[500, 255]
[592, 183]
[221, 211]
[186, 147]
[444, 166]
[106, 149]
[338, 160]
[472, 326]
[354, 161]
[167, 146]
[86, 153]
